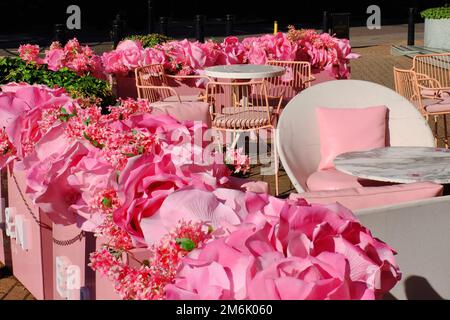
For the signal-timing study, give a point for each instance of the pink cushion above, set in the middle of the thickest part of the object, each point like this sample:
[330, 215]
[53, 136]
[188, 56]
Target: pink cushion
[435, 92]
[361, 198]
[333, 179]
[190, 98]
[434, 105]
[194, 111]
[345, 130]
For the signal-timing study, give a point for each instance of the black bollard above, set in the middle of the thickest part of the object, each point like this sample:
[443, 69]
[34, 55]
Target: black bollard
[117, 32]
[163, 22]
[60, 33]
[150, 16]
[200, 28]
[411, 26]
[229, 28]
[325, 24]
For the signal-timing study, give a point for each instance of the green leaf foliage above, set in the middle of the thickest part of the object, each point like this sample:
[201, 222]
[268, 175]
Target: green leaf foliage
[16, 70]
[436, 13]
[186, 244]
[150, 40]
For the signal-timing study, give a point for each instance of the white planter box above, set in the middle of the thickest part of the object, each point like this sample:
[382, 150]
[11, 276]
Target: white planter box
[437, 33]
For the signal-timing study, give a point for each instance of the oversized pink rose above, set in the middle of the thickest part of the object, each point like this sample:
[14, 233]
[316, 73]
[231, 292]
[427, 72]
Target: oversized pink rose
[146, 182]
[153, 56]
[216, 272]
[13, 86]
[131, 53]
[112, 61]
[256, 54]
[325, 277]
[21, 111]
[232, 51]
[48, 171]
[92, 176]
[221, 208]
[285, 50]
[293, 251]
[55, 59]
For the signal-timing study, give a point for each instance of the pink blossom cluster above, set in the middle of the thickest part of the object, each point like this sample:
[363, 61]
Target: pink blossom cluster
[324, 51]
[30, 53]
[7, 150]
[148, 280]
[73, 56]
[185, 57]
[238, 160]
[289, 250]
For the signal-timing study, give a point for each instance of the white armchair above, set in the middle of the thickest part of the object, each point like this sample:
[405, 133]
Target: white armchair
[298, 133]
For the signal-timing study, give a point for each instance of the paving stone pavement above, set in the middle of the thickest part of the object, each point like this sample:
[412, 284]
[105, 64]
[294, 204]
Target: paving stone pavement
[11, 288]
[376, 65]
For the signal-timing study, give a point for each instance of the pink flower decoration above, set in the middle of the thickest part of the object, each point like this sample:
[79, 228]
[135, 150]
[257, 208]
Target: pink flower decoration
[54, 59]
[91, 177]
[232, 51]
[185, 58]
[21, 111]
[290, 250]
[146, 182]
[30, 53]
[196, 205]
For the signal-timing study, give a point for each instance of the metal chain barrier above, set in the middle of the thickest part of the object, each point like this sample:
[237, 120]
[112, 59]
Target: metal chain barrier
[61, 243]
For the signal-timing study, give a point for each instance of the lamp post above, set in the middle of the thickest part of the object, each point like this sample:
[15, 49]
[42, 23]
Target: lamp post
[163, 22]
[200, 28]
[411, 26]
[60, 33]
[150, 16]
[229, 25]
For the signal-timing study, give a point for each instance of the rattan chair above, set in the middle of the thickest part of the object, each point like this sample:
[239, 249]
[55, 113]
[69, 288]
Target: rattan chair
[239, 107]
[152, 83]
[297, 78]
[433, 72]
[429, 105]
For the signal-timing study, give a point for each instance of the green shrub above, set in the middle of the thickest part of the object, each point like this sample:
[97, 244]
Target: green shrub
[150, 40]
[17, 70]
[436, 13]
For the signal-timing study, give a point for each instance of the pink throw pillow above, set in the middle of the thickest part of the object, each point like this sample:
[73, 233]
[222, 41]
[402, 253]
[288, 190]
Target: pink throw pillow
[350, 129]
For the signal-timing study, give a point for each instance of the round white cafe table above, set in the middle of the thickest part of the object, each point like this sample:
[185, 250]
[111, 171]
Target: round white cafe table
[244, 71]
[398, 164]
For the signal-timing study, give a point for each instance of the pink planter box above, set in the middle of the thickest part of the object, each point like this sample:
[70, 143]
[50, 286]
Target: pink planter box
[322, 76]
[31, 243]
[5, 247]
[125, 86]
[73, 279]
